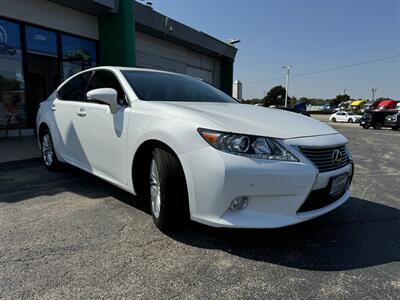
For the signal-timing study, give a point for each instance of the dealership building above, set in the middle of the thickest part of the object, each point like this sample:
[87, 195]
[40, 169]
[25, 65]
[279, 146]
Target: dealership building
[43, 42]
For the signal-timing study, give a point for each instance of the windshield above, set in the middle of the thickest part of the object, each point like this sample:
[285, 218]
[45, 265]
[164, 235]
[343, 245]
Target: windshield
[157, 86]
[351, 114]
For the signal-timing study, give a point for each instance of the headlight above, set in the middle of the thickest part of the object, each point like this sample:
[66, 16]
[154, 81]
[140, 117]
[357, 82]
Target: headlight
[247, 145]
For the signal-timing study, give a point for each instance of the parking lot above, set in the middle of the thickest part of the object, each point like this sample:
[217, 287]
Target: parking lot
[72, 235]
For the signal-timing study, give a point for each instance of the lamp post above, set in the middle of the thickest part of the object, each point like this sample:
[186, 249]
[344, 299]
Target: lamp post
[287, 82]
[233, 41]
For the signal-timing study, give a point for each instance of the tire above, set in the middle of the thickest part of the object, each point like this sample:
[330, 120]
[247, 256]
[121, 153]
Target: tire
[377, 125]
[395, 128]
[169, 202]
[350, 120]
[49, 156]
[365, 126]
[333, 120]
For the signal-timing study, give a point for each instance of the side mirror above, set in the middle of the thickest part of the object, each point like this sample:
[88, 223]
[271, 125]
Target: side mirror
[105, 95]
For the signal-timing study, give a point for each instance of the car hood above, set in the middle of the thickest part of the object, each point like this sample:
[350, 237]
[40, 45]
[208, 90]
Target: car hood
[256, 120]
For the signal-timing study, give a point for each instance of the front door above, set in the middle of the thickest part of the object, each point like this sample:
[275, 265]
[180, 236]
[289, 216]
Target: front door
[65, 107]
[102, 134]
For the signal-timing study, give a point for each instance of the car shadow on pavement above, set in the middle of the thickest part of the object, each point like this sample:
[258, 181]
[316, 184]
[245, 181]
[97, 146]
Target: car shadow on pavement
[359, 234]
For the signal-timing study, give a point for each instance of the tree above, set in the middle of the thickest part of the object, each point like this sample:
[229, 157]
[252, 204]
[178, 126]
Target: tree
[339, 99]
[276, 96]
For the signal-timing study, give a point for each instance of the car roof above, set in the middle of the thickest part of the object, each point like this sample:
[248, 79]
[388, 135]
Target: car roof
[386, 102]
[119, 68]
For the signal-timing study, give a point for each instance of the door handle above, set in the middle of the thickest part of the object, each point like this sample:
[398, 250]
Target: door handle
[53, 107]
[81, 112]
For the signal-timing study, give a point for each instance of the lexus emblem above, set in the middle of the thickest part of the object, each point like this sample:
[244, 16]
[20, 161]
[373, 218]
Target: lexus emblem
[337, 157]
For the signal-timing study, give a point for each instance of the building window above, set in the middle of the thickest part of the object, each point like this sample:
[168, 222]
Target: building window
[40, 41]
[12, 95]
[77, 54]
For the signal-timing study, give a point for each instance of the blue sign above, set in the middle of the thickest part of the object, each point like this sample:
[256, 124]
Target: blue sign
[9, 38]
[41, 41]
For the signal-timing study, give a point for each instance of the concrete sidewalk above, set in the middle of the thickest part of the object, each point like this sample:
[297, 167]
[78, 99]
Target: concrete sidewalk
[18, 148]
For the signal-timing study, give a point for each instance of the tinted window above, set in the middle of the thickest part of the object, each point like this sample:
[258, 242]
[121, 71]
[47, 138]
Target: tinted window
[75, 88]
[154, 86]
[106, 79]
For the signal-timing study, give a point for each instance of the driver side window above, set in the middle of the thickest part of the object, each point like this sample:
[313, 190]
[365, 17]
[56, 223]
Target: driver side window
[106, 79]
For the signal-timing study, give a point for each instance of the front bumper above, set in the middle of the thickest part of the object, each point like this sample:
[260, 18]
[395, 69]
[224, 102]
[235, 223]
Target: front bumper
[275, 190]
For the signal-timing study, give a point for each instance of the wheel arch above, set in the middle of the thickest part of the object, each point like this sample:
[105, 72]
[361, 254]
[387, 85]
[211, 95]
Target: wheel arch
[41, 130]
[141, 160]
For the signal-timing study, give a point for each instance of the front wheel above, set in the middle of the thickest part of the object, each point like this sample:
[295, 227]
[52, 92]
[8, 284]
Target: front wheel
[395, 128]
[350, 120]
[168, 191]
[377, 125]
[333, 119]
[48, 154]
[365, 126]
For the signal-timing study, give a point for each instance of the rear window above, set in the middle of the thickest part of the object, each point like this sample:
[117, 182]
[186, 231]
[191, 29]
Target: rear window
[155, 86]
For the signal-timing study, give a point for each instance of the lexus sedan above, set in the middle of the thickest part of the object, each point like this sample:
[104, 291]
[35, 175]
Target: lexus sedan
[193, 152]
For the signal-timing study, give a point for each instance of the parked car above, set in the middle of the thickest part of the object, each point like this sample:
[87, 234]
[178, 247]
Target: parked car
[393, 121]
[296, 109]
[358, 104]
[345, 116]
[387, 105]
[191, 150]
[376, 119]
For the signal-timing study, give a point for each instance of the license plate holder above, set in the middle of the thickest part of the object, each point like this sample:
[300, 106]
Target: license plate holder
[339, 184]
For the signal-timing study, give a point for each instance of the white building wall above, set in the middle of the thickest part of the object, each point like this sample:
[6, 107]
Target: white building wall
[52, 15]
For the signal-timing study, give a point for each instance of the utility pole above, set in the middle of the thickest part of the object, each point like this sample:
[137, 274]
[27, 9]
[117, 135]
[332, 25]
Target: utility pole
[287, 82]
[373, 90]
[344, 92]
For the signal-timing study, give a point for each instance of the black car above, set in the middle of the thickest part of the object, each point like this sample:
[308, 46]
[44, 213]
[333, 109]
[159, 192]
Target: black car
[393, 121]
[376, 119]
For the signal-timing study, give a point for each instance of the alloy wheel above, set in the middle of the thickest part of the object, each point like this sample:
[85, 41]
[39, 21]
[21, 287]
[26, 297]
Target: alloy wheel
[155, 189]
[47, 149]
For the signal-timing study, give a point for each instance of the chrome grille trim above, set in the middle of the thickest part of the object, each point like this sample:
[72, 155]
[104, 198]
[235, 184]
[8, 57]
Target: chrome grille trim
[322, 157]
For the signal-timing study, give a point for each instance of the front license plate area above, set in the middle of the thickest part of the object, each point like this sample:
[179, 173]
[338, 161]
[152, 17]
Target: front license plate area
[339, 184]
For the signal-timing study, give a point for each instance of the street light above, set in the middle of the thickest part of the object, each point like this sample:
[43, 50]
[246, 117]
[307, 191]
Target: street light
[233, 41]
[287, 82]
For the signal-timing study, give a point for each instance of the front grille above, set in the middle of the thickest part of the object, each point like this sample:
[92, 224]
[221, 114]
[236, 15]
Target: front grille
[323, 157]
[319, 198]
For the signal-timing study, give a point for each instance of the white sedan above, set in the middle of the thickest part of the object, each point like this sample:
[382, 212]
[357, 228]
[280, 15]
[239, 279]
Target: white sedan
[344, 116]
[194, 152]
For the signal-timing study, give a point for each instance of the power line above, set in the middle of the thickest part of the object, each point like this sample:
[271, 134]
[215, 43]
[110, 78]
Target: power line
[330, 69]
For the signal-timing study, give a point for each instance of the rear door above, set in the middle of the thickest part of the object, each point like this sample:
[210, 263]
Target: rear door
[66, 105]
[101, 133]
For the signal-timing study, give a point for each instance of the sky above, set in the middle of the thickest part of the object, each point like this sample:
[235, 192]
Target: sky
[310, 35]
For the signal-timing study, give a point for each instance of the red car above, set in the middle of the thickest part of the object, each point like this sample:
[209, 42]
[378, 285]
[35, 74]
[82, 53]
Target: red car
[387, 104]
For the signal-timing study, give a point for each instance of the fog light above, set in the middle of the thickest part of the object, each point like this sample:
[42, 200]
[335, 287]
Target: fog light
[239, 203]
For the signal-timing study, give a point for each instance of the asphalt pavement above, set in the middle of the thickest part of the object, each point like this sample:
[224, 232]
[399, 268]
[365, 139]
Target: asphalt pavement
[71, 235]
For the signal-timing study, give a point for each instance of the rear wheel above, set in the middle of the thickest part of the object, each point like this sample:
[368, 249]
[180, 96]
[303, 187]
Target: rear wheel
[377, 125]
[333, 119]
[48, 154]
[168, 191]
